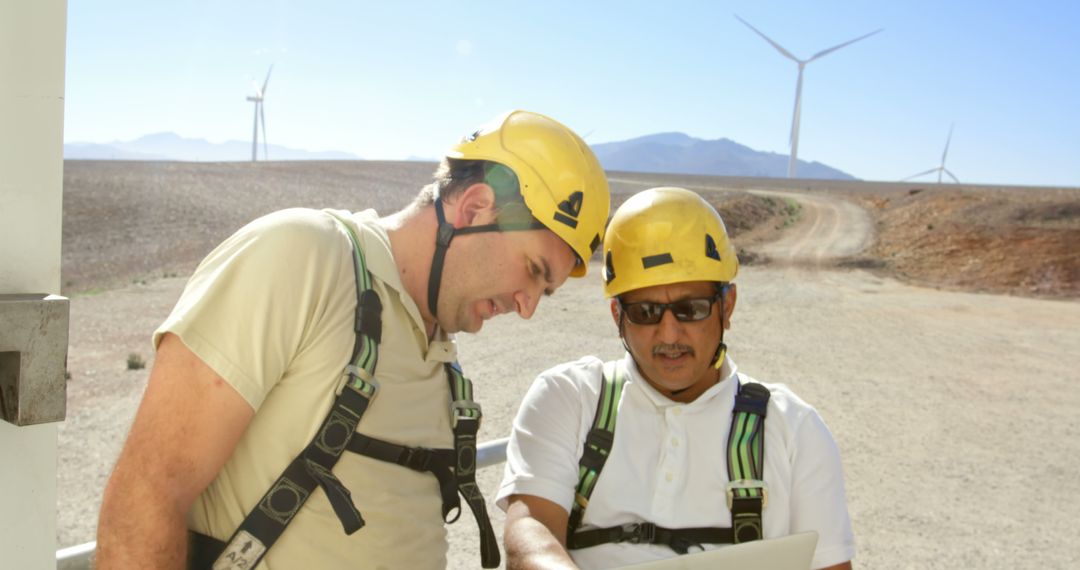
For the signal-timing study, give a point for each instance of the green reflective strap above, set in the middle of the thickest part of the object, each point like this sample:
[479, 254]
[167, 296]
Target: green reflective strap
[745, 458]
[611, 393]
[369, 350]
[607, 411]
[462, 389]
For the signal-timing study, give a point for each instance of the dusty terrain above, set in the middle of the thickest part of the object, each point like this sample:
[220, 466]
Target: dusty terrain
[955, 411]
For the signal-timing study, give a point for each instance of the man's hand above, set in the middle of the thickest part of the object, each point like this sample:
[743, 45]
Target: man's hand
[187, 426]
[535, 535]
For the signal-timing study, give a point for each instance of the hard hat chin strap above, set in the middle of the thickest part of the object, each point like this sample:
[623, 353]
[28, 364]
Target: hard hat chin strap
[721, 350]
[444, 234]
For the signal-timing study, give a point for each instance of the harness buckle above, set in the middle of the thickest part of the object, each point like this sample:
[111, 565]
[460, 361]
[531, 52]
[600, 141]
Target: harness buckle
[361, 381]
[747, 484]
[417, 458]
[638, 533]
[464, 409]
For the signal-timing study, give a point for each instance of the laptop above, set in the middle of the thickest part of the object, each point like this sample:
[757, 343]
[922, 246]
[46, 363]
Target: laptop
[792, 552]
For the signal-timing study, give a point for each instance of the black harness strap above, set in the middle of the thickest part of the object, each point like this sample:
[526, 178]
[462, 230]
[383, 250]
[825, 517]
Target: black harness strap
[681, 540]
[203, 550]
[465, 417]
[438, 462]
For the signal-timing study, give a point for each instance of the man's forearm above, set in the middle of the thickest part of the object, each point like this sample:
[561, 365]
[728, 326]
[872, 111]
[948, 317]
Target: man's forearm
[531, 546]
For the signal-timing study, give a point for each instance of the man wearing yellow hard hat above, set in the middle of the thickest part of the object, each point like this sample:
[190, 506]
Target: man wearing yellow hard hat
[671, 449]
[305, 408]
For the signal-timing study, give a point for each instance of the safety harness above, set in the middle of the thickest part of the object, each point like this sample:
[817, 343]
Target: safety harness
[747, 494]
[455, 468]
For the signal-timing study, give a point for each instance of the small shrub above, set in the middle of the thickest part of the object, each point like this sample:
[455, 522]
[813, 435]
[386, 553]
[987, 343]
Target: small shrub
[135, 362]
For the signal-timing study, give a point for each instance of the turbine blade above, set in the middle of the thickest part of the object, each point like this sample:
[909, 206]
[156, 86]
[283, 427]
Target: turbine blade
[778, 47]
[948, 139]
[823, 53]
[266, 81]
[955, 179]
[923, 173]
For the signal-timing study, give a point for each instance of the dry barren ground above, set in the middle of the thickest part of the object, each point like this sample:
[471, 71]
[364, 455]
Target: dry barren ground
[955, 411]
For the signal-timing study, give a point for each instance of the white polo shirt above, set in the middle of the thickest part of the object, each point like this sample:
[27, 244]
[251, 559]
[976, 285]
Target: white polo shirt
[668, 463]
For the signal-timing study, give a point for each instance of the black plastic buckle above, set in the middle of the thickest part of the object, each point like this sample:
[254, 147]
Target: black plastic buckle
[638, 533]
[369, 315]
[752, 398]
[417, 458]
[444, 234]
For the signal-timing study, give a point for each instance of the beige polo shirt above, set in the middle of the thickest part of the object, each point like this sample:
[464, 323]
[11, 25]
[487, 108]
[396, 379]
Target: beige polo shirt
[271, 310]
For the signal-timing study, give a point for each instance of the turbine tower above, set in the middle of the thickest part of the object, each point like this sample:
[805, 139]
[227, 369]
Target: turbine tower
[794, 142]
[257, 98]
[940, 168]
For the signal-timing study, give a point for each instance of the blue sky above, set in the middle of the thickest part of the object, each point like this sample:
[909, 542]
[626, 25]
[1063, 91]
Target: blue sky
[391, 80]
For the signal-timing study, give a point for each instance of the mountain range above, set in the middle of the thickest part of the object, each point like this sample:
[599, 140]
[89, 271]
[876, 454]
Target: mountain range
[677, 153]
[171, 146]
[668, 153]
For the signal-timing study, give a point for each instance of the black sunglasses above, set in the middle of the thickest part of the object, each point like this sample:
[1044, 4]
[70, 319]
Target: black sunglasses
[685, 310]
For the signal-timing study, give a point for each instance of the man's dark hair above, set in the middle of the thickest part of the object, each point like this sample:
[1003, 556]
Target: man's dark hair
[453, 176]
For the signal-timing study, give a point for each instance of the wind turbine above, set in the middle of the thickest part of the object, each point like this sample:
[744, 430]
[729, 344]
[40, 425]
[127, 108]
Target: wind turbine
[941, 168]
[260, 116]
[794, 142]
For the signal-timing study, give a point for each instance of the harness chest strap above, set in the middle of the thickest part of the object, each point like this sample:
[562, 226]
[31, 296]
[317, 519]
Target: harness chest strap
[746, 495]
[454, 469]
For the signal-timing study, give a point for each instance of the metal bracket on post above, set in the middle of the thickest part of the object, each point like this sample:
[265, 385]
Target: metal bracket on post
[33, 358]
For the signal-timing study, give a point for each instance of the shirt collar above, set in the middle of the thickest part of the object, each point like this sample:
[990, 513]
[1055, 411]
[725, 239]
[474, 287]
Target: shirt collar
[379, 259]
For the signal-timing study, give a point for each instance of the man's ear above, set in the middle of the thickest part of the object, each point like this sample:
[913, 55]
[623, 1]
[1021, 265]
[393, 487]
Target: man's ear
[729, 304]
[475, 206]
[615, 311]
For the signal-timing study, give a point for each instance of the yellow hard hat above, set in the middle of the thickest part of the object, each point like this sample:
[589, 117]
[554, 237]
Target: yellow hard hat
[561, 180]
[666, 235]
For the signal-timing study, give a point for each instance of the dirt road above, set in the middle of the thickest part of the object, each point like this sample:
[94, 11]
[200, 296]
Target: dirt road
[828, 229]
[956, 413]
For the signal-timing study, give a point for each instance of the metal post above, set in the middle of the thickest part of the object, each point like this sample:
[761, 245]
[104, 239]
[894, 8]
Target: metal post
[32, 46]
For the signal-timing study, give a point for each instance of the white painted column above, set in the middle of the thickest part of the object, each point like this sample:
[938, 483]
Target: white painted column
[32, 44]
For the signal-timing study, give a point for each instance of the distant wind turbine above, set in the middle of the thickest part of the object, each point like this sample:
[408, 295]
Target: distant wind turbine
[260, 116]
[941, 168]
[794, 142]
